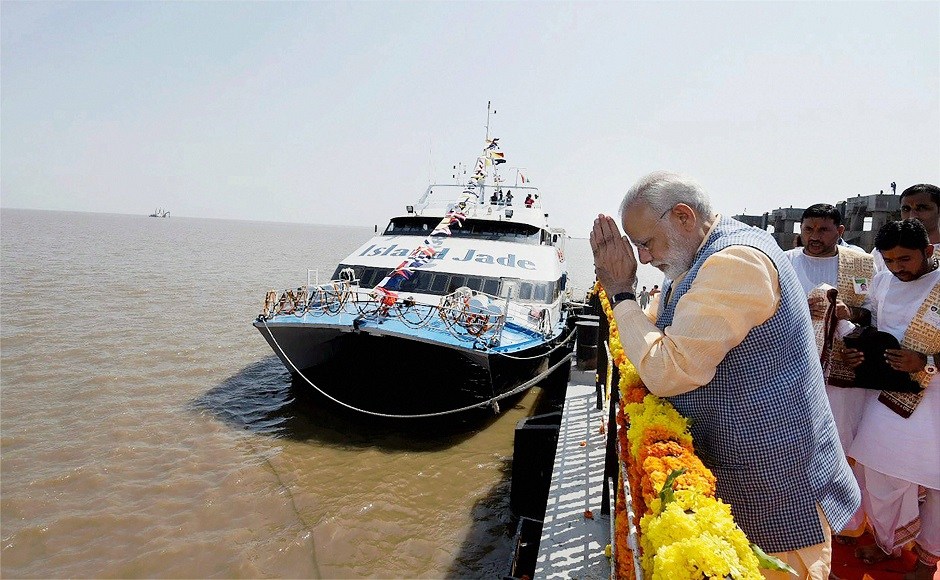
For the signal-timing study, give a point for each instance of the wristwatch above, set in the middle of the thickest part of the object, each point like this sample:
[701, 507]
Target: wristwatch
[931, 367]
[621, 296]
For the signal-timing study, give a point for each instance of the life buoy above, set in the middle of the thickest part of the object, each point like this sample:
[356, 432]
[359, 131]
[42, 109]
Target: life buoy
[476, 323]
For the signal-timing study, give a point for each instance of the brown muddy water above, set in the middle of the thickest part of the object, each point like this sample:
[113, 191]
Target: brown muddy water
[146, 429]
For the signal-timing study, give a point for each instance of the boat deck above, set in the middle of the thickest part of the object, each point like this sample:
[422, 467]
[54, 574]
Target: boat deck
[422, 327]
[572, 544]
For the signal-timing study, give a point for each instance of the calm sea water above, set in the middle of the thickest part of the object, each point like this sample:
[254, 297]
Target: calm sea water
[146, 429]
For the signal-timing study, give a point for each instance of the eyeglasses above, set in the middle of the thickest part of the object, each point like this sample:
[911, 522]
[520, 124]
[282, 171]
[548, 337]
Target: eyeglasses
[644, 245]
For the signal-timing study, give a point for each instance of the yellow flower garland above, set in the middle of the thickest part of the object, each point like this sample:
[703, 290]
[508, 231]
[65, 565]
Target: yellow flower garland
[693, 535]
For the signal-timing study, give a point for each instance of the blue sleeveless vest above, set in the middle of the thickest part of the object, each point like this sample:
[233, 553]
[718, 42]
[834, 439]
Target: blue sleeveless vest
[763, 424]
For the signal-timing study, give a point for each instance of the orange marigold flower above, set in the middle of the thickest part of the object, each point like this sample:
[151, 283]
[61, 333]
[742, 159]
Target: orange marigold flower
[635, 395]
[655, 432]
[661, 449]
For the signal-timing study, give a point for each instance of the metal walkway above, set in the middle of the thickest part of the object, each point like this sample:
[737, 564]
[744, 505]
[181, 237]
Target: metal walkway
[573, 545]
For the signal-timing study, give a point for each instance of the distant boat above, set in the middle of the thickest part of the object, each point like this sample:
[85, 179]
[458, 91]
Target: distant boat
[160, 212]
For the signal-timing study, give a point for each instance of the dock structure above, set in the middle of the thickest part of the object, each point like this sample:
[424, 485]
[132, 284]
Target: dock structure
[862, 217]
[575, 534]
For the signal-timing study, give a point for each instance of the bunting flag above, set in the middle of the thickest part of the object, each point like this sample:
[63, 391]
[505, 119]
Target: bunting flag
[386, 291]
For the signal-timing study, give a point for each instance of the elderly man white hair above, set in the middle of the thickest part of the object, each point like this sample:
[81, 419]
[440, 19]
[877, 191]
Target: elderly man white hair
[663, 190]
[732, 348]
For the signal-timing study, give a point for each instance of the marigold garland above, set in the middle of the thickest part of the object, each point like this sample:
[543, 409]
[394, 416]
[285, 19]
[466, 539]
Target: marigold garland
[692, 534]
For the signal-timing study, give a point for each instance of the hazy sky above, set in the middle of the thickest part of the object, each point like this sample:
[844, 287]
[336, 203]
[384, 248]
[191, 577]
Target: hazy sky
[339, 113]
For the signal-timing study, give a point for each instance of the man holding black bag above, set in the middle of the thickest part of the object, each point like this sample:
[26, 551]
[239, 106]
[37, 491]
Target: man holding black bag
[898, 440]
[821, 261]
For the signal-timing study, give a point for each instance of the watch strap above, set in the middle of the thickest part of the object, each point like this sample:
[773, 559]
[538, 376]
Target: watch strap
[621, 296]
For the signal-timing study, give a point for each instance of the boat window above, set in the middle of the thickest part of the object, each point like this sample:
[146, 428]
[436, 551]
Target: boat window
[420, 282]
[539, 292]
[472, 228]
[439, 284]
[456, 282]
[525, 291]
[378, 274]
[491, 286]
[369, 278]
[474, 283]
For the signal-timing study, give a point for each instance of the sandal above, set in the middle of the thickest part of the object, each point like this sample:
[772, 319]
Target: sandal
[872, 554]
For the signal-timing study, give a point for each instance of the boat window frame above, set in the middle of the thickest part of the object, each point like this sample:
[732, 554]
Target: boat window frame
[441, 283]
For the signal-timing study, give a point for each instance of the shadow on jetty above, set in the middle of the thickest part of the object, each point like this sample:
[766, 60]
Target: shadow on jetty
[263, 398]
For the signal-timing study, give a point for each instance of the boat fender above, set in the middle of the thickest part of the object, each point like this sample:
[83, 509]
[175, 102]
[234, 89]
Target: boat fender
[537, 313]
[300, 301]
[270, 301]
[287, 303]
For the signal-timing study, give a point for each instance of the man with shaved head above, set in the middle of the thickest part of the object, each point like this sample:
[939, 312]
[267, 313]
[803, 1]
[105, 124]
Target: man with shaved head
[732, 349]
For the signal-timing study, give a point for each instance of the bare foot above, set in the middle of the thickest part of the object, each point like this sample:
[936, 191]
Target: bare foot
[872, 554]
[844, 540]
[921, 572]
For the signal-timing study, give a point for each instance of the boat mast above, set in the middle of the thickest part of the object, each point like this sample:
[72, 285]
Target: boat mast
[488, 106]
[489, 111]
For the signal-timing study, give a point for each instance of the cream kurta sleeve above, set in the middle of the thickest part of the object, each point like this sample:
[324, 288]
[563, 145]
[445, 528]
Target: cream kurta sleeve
[736, 289]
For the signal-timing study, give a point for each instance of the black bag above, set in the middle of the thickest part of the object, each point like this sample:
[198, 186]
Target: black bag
[875, 372]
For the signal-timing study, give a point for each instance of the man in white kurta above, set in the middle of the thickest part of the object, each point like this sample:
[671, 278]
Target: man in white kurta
[822, 260]
[895, 454]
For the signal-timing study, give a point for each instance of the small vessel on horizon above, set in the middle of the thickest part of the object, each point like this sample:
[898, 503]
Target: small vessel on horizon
[459, 303]
[160, 212]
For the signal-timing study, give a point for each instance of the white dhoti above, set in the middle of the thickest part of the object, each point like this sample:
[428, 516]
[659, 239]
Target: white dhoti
[847, 408]
[896, 455]
[897, 517]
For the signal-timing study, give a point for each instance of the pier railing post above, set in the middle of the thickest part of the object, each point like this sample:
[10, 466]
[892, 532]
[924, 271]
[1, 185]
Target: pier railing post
[611, 460]
[602, 332]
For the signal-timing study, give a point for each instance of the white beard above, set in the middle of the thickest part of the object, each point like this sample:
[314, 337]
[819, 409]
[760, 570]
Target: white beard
[679, 258]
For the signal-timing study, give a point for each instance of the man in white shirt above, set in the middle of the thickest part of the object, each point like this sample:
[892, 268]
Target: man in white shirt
[643, 297]
[920, 202]
[898, 440]
[822, 260]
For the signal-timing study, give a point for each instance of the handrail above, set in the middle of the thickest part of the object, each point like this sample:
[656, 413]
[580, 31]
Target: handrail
[467, 314]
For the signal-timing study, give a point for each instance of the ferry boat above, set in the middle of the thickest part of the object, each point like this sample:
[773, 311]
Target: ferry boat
[458, 304]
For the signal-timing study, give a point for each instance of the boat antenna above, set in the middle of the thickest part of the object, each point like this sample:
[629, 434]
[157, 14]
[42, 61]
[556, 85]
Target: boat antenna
[489, 145]
[488, 108]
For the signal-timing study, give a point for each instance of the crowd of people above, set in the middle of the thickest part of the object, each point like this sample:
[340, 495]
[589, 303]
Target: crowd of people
[752, 344]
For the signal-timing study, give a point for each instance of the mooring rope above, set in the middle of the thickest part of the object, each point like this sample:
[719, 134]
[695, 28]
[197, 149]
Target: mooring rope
[491, 402]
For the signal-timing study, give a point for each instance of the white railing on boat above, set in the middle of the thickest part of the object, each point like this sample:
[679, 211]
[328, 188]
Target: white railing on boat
[467, 314]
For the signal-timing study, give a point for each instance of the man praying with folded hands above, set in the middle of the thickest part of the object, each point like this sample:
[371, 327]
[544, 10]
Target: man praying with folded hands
[732, 349]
